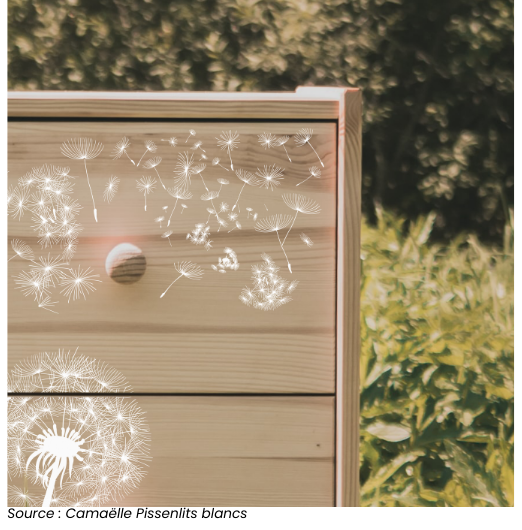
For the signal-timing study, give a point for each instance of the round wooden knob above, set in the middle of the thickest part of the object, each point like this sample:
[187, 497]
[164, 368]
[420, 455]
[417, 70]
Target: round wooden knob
[125, 263]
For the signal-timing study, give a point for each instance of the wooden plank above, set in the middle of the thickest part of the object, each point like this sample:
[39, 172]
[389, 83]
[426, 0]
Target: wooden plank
[199, 337]
[348, 290]
[175, 105]
[236, 451]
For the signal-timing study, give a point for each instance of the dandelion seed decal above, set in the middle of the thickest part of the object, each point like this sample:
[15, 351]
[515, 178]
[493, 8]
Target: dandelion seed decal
[222, 182]
[267, 140]
[69, 251]
[249, 210]
[306, 240]
[167, 235]
[47, 304]
[274, 223]
[238, 226]
[200, 235]
[111, 188]
[183, 206]
[198, 170]
[303, 137]
[150, 147]
[315, 173]
[187, 269]
[229, 261]
[247, 178]
[177, 194]
[184, 171]
[159, 220]
[229, 141]
[146, 185]
[121, 148]
[151, 164]
[215, 162]
[280, 142]
[83, 149]
[31, 284]
[197, 146]
[173, 141]
[270, 176]
[192, 132]
[18, 203]
[300, 203]
[269, 290]
[76, 451]
[22, 250]
[78, 283]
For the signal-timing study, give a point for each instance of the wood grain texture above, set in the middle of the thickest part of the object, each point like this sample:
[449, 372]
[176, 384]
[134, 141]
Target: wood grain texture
[180, 105]
[236, 451]
[199, 337]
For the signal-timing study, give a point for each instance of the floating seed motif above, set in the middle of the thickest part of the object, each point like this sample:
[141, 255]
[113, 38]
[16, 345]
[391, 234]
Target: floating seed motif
[303, 137]
[111, 188]
[229, 261]
[187, 269]
[229, 141]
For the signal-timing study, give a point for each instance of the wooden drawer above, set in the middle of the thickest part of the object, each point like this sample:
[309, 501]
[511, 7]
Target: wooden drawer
[245, 404]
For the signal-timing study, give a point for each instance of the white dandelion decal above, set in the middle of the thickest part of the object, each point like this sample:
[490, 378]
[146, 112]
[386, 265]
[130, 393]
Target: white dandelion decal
[19, 202]
[121, 148]
[315, 173]
[150, 147]
[198, 170]
[173, 141]
[83, 149]
[229, 261]
[22, 250]
[76, 451]
[222, 182]
[146, 185]
[247, 178]
[301, 204]
[229, 141]
[249, 210]
[151, 164]
[216, 162]
[269, 290]
[280, 142]
[274, 223]
[159, 220]
[192, 132]
[178, 194]
[238, 226]
[185, 269]
[303, 137]
[306, 240]
[167, 235]
[270, 176]
[111, 188]
[267, 140]
[47, 304]
[183, 208]
[197, 146]
[78, 283]
[184, 171]
[200, 235]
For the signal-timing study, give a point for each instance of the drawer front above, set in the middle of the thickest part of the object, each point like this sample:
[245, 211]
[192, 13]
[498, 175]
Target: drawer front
[199, 337]
[203, 451]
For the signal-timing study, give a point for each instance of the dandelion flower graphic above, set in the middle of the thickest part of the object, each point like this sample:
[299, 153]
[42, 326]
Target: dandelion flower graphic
[173, 141]
[187, 269]
[111, 188]
[229, 261]
[232, 216]
[192, 132]
[151, 163]
[159, 220]
[270, 176]
[300, 203]
[150, 147]
[77, 451]
[280, 142]
[197, 146]
[274, 223]
[146, 185]
[200, 235]
[121, 148]
[31, 284]
[224, 207]
[167, 235]
[315, 173]
[215, 162]
[83, 149]
[247, 178]
[303, 137]
[229, 141]
[267, 140]
[269, 290]
[78, 283]
[69, 251]
[306, 240]
[177, 194]
[184, 170]
[19, 202]
[21, 249]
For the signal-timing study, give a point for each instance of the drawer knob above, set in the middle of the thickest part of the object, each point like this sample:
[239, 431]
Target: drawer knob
[126, 263]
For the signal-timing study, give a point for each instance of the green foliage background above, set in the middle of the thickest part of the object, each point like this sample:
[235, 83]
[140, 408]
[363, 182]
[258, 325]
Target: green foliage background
[437, 78]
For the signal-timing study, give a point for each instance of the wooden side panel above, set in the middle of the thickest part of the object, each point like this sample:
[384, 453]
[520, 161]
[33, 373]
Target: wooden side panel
[233, 451]
[199, 337]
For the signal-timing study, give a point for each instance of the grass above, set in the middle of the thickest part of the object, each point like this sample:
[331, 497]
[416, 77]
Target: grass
[437, 363]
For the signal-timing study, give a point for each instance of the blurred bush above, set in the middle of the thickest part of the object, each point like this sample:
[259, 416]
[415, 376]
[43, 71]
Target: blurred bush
[437, 79]
[437, 369]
